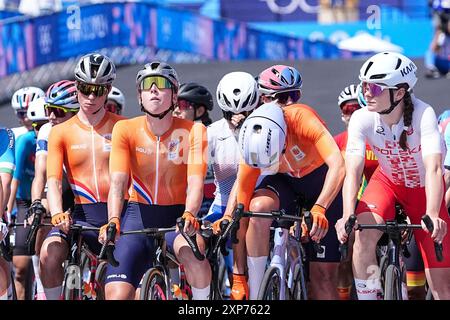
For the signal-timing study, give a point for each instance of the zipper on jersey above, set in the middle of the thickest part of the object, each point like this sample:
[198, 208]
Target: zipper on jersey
[93, 163]
[158, 139]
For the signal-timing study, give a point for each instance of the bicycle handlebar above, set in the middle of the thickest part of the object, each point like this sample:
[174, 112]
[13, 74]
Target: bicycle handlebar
[437, 246]
[191, 240]
[343, 247]
[30, 242]
[309, 222]
[108, 246]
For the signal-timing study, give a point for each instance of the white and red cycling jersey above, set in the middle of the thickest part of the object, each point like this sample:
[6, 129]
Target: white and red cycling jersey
[402, 167]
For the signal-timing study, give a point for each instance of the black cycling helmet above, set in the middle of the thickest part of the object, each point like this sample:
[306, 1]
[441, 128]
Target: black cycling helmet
[196, 94]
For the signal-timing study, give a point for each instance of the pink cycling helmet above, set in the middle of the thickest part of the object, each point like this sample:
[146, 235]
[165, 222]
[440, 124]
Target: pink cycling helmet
[279, 78]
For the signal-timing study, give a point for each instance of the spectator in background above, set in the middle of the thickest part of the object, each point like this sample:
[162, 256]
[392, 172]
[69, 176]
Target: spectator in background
[437, 57]
[332, 11]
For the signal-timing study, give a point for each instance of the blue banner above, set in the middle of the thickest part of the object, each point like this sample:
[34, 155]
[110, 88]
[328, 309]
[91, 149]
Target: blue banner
[270, 10]
[140, 26]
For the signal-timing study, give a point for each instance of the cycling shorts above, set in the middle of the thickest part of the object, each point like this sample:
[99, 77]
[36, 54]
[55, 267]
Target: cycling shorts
[288, 188]
[20, 248]
[135, 253]
[90, 215]
[380, 197]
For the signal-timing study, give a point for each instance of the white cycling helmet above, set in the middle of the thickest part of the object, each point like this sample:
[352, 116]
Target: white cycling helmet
[36, 110]
[95, 68]
[390, 69]
[349, 93]
[237, 92]
[263, 135]
[116, 95]
[22, 98]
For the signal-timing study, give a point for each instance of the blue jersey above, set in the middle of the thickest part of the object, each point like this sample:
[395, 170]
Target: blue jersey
[7, 149]
[24, 173]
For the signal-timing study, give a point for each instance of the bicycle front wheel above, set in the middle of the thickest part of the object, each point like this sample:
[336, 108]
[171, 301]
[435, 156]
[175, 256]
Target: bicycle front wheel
[299, 291]
[153, 286]
[100, 277]
[392, 284]
[271, 285]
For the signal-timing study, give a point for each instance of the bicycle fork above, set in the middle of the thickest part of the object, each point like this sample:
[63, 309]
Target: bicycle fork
[279, 258]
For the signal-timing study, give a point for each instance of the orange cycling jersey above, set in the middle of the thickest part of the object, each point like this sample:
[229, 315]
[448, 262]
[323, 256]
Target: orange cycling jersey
[308, 143]
[160, 166]
[84, 151]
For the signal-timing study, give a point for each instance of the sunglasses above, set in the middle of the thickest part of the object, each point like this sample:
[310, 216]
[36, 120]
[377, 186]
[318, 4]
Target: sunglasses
[283, 97]
[185, 105]
[113, 107]
[349, 108]
[38, 125]
[21, 113]
[160, 82]
[58, 111]
[375, 89]
[87, 88]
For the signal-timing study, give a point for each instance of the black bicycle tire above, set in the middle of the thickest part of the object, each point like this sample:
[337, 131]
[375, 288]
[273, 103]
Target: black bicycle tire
[268, 278]
[100, 277]
[384, 262]
[392, 283]
[68, 293]
[151, 277]
[13, 286]
[298, 279]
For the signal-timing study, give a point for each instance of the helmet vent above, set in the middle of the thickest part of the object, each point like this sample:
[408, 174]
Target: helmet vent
[236, 92]
[378, 76]
[368, 67]
[246, 101]
[399, 62]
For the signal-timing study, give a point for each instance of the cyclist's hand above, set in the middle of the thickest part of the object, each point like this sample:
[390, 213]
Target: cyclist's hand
[62, 221]
[102, 233]
[36, 206]
[237, 120]
[191, 225]
[320, 223]
[3, 230]
[216, 224]
[439, 229]
[340, 230]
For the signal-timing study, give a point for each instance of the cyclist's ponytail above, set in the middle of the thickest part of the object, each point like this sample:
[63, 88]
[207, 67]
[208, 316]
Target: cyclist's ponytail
[407, 117]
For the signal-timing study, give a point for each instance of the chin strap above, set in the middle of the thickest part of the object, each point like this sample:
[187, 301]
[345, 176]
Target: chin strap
[157, 115]
[95, 112]
[393, 103]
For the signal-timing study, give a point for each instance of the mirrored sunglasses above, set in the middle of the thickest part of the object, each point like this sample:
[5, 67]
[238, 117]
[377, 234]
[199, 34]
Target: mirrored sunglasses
[160, 82]
[348, 109]
[58, 111]
[283, 97]
[21, 113]
[375, 89]
[185, 105]
[87, 88]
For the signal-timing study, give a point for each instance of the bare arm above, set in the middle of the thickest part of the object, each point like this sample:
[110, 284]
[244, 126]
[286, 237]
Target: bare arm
[12, 197]
[434, 187]
[40, 177]
[333, 180]
[54, 196]
[116, 195]
[194, 194]
[6, 188]
[354, 166]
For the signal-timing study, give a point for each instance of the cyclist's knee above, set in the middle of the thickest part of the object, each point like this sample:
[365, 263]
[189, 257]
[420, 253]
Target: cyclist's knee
[119, 291]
